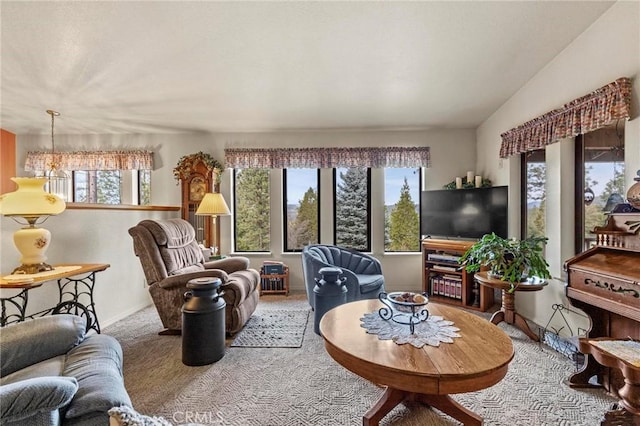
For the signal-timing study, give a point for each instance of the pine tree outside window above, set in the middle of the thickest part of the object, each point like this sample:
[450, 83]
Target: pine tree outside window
[402, 209]
[534, 194]
[252, 210]
[301, 190]
[353, 208]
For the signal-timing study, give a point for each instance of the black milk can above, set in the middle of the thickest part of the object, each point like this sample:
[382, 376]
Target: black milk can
[328, 292]
[203, 322]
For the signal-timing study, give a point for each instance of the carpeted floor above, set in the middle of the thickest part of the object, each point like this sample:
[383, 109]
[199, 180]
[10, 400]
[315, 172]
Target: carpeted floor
[304, 386]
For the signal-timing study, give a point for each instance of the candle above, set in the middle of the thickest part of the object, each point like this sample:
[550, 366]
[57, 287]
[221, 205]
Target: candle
[478, 181]
[470, 177]
[458, 183]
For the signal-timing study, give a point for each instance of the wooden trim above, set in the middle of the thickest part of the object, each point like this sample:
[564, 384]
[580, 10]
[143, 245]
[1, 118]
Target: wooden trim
[90, 206]
[8, 162]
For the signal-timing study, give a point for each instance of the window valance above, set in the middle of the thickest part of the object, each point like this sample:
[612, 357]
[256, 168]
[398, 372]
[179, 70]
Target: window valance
[90, 160]
[282, 158]
[585, 114]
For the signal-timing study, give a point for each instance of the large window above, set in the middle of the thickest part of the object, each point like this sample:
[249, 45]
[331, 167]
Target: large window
[599, 180]
[301, 211]
[352, 208]
[252, 210]
[402, 209]
[534, 195]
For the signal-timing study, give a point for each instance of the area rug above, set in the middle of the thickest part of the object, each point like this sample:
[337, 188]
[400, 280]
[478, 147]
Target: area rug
[273, 329]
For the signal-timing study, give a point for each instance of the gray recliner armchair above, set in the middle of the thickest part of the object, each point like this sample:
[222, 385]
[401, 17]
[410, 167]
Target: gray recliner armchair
[363, 273]
[171, 257]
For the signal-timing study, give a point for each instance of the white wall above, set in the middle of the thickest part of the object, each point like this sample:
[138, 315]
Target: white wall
[609, 49]
[100, 236]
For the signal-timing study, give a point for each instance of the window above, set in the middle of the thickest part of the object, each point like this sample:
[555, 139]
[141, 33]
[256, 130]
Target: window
[402, 209]
[99, 177]
[599, 180]
[111, 187]
[534, 194]
[352, 208]
[144, 187]
[102, 187]
[301, 190]
[252, 210]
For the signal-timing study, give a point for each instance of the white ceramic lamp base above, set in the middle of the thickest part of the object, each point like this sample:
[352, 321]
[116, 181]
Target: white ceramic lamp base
[32, 243]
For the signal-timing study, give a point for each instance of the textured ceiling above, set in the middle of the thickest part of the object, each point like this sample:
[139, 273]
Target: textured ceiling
[155, 67]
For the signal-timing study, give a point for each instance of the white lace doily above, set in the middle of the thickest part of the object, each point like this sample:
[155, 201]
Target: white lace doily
[431, 332]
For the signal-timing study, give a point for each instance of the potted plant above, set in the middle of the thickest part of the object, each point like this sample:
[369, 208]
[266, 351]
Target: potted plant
[510, 260]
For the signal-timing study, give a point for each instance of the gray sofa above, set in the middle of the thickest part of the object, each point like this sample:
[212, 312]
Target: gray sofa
[53, 373]
[363, 273]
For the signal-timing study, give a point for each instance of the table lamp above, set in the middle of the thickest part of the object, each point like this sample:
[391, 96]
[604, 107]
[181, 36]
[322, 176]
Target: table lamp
[213, 204]
[31, 202]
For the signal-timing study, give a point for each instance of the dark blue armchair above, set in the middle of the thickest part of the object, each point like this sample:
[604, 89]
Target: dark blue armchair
[363, 273]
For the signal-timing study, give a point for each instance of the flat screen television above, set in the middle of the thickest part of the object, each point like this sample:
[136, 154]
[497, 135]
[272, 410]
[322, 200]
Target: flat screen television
[464, 213]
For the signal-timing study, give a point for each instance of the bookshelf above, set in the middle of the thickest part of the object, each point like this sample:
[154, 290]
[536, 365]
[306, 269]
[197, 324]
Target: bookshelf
[274, 278]
[445, 280]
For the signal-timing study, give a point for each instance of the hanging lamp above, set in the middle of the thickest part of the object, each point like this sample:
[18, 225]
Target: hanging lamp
[57, 180]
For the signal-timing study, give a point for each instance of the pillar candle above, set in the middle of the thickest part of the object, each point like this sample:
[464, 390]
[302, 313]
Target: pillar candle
[469, 176]
[458, 182]
[478, 181]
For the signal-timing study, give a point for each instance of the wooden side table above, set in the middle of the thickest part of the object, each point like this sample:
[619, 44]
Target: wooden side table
[507, 312]
[275, 283]
[605, 351]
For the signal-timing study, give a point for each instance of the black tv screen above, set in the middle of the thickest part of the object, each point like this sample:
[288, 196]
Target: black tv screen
[464, 213]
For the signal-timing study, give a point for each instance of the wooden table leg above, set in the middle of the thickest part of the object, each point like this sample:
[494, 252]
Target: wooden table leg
[444, 403]
[449, 406]
[389, 399]
[508, 314]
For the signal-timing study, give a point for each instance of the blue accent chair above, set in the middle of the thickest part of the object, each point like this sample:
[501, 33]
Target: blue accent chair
[363, 273]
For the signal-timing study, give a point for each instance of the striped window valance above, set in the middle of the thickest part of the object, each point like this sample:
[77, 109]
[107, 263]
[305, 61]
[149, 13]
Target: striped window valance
[284, 158]
[90, 160]
[585, 114]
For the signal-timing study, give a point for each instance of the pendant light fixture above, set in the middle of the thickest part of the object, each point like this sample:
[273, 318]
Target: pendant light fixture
[57, 180]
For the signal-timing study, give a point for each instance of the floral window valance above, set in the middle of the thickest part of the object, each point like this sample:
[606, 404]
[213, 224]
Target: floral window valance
[585, 114]
[282, 158]
[90, 160]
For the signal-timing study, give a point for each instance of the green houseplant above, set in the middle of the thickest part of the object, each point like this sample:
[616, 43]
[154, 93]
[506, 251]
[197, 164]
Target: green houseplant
[510, 260]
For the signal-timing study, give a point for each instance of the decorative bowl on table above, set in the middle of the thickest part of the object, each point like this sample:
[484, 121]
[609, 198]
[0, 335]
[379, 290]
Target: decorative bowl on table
[404, 307]
[407, 302]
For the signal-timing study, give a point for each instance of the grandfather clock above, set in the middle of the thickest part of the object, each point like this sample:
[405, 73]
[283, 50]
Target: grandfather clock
[196, 179]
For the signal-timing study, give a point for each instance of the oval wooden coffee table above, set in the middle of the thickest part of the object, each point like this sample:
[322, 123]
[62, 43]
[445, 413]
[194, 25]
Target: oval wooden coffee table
[476, 360]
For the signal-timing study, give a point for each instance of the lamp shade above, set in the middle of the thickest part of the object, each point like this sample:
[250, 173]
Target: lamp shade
[30, 199]
[213, 204]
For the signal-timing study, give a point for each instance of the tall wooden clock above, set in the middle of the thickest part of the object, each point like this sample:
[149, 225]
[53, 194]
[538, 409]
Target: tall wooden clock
[197, 177]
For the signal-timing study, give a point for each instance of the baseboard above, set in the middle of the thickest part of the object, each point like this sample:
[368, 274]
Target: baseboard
[123, 315]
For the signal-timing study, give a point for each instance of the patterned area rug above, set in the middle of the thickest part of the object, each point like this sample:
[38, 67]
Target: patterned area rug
[305, 386]
[273, 329]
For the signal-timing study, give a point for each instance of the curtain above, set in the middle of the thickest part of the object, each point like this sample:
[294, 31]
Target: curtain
[90, 160]
[585, 114]
[281, 158]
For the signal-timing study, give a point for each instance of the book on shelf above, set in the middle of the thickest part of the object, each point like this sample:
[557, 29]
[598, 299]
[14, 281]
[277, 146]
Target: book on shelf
[443, 268]
[270, 267]
[447, 286]
[272, 284]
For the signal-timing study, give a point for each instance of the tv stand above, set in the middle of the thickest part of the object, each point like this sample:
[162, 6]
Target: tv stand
[446, 281]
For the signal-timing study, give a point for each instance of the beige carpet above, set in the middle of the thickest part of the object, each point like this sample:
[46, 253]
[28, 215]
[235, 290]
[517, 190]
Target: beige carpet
[304, 386]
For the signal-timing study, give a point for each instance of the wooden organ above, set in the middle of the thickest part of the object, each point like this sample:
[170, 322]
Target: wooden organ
[604, 282]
